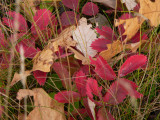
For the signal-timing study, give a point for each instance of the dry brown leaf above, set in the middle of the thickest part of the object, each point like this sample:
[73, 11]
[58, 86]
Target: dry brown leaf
[44, 59]
[45, 107]
[113, 49]
[135, 46]
[17, 77]
[131, 26]
[64, 38]
[151, 10]
[79, 56]
[117, 47]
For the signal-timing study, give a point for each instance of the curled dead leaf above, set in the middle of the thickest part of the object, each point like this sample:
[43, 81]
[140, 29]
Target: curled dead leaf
[45, 107]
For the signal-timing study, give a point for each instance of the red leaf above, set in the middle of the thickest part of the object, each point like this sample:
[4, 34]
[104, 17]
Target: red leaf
[107, 33]
[100, 44]
[69, 18]
[103, 69]
[130, 87]
[62, 73]
[29, 50]
[72, 4]
[10, 19]
[67, 96]
[90, 9]
[138, 37]
[41, 19]
[103, 114]
[92, 88]
[115, 94]
[81, 83]
[132, 63]
[40, 76]
[85, 102]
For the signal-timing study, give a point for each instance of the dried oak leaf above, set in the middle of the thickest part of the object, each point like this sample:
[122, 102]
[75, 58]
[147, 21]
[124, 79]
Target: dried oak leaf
[46, 108]
[131, 26]
[151, 10]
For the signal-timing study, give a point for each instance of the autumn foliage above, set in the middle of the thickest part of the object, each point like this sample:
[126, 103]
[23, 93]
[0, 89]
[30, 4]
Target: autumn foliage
[93, 62]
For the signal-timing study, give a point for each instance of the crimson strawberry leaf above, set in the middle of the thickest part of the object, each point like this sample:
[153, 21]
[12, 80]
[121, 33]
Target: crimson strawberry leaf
[40, 76]
[81, 83]
[67, 96]
[132, 63]
[100, 44]
[115, 94]
[72, 4]
[10, 19]
[92, 88]
[41, 19]
[103, 69]
[69, 18]
[130, 87]
[107, 33]
[103, 114]
[90, 9]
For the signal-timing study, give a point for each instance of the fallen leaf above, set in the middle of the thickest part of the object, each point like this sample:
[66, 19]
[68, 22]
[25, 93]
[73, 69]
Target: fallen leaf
[151, 10]
[131, 26]
[64, 38]
[44, 59]
[113, 49]
[84, 36]
[17, 77]
[46, 108]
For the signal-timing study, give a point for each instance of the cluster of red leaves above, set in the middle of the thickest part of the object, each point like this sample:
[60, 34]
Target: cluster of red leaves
[40, 27]
[115, 94]
[71, 17]
[107, 35]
